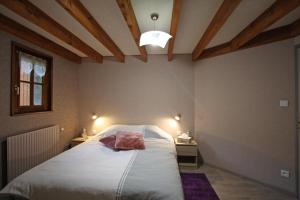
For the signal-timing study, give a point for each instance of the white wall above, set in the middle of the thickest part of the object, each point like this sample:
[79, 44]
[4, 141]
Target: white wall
[239, 124]
[135, 92]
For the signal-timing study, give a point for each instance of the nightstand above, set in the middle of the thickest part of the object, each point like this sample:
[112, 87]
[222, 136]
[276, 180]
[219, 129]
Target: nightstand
[187, 153]
[79, 140]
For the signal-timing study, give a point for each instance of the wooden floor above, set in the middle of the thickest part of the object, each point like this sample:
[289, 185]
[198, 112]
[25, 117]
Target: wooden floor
[232, 187]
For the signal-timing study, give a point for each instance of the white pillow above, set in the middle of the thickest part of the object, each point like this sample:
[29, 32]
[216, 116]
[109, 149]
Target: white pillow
[152, 131]
[119, 127]
[149, 131]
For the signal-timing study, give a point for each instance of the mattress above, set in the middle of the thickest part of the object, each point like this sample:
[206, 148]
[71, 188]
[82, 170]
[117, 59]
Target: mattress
[92, 171]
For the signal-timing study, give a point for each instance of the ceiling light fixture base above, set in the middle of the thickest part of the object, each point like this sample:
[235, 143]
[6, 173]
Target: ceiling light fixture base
[154, 16]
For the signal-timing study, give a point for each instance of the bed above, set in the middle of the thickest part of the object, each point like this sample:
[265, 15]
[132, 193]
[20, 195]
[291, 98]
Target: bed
[92, 171]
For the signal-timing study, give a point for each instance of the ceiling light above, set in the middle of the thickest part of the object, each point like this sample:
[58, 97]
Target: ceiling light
[156, 38]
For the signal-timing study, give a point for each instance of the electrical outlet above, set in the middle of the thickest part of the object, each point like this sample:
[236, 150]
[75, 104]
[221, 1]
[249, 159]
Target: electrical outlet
[285, 173]
[284, 103]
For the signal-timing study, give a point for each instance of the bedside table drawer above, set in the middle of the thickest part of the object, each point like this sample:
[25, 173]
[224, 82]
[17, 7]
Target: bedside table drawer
[186, 150]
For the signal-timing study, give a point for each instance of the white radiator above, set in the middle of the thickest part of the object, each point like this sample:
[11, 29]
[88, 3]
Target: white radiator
[27, 150]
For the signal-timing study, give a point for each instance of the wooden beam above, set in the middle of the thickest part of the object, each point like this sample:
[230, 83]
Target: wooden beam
[278, 10]
[274, 35]
[223, 13]
[83, 16]
[281, 33]
[174, 25]
[35, 15]
[24, 33]
[295, 28]
[129, 16]
[216, 51]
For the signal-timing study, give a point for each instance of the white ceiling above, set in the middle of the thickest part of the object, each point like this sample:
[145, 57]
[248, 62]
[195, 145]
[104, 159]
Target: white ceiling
[194, 19]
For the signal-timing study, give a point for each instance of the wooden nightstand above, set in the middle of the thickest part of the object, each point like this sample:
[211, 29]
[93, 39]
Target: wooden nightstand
[187, 153]
[79, 140]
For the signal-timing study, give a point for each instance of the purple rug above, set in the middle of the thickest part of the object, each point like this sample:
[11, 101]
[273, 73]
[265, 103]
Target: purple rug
[197, 187]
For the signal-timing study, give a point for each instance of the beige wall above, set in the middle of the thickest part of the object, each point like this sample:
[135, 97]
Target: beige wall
[135, 92]
[239, 124]
[65, 105]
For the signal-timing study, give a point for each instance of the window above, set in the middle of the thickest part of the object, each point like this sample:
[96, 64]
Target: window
[31, 80]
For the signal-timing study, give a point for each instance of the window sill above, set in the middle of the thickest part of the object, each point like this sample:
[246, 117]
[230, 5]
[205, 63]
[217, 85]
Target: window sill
[31, 113]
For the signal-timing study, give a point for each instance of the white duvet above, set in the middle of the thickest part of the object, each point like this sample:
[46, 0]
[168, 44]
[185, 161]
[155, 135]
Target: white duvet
[92, 171]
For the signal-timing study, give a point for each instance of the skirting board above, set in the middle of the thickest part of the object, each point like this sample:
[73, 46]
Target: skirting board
[250, 179]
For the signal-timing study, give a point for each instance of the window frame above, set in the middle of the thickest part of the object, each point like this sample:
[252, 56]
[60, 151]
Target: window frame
[47, 93]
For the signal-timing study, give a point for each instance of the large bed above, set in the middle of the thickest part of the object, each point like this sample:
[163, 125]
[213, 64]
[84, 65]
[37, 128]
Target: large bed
[92, 171]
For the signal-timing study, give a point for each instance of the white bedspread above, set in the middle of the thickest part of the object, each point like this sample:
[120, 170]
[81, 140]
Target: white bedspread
[92, 171]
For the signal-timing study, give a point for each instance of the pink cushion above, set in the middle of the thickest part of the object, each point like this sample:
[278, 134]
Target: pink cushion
[129, 140]
[109, 141]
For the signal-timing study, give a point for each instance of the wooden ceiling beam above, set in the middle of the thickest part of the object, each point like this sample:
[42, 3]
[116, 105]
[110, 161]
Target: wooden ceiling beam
[83, 16]
[223, 13]
[216, 51]
[275, 12]
[35, 15]
[174, 25]
[281, 33]
[129, 16]
[24, 33]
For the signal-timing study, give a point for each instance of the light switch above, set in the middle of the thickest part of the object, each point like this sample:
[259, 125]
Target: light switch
[284, 103]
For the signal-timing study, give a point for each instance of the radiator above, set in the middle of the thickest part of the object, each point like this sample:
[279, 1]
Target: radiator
[27, 150]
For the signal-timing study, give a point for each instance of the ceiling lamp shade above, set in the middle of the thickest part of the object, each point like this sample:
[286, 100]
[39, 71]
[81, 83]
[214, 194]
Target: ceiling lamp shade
[156, 38]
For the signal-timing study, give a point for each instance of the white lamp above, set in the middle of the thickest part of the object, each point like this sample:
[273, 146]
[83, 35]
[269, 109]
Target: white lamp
[157, 38]
[94, 116]
[177, 117]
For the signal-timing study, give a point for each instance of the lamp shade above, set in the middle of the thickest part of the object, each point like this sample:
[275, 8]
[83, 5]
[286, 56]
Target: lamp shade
[177, 117]
[157, 38]
[94, 116]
